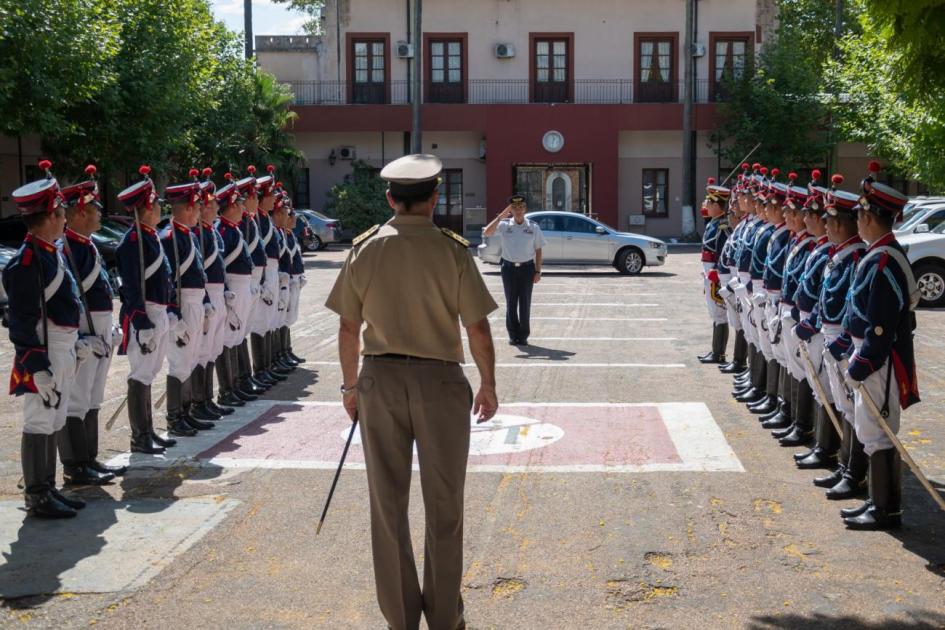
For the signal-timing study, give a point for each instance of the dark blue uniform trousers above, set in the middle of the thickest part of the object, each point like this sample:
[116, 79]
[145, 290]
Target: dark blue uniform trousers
[518, 283]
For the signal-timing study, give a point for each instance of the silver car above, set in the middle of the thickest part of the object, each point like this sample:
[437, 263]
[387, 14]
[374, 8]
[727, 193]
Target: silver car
[325, 230]
[574, 239]
[921, 216]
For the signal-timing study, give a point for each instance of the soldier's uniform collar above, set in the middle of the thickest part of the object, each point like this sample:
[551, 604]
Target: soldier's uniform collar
[882, 241]
[43, 243]
[75, 236]
[410, 219]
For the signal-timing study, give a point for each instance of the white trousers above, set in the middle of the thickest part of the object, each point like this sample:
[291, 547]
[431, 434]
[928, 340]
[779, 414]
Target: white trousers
[877, 386]
[716, 310]
[144, 367]
[761, 317]
[181, 360]
[744, 299]
[295, 291]
[37, 417]
[91, 375]
[243, 305]
[276, 316]
[211, 343]
[731, 302]
[818, 369]
[791, 345]
[834, 369]
[259, 315]
[774, 313]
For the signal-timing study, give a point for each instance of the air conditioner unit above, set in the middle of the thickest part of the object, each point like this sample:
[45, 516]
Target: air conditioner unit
[404, 50]
[346, 153]
[698, 50]
[504, 51]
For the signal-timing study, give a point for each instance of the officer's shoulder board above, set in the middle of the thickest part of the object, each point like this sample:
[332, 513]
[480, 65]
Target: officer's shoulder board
[456, 237]
[360, 238]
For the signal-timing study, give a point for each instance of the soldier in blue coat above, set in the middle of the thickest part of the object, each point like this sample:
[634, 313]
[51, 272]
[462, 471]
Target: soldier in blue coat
[848, 479]
[44, 313]
[145, 301]
[880, 321]
[297, 280]
[288, 286]
[191, 308]
[78, 444]
[728, 268]
[713, 240]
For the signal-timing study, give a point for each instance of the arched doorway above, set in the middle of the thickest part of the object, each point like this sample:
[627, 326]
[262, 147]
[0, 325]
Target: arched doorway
[558, 191]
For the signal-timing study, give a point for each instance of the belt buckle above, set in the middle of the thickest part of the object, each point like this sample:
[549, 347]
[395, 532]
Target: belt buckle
[517, 264]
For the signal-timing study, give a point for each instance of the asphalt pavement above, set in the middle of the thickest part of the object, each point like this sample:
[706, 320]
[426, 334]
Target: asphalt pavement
[619, 487]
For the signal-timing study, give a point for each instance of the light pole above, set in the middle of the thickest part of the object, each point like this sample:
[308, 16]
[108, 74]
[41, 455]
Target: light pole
[416, 144]
[248, 26]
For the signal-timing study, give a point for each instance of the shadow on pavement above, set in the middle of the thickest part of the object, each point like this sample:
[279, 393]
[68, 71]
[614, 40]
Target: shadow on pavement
[921, 620]
[322, 264]
[537, 352]
[923, 524]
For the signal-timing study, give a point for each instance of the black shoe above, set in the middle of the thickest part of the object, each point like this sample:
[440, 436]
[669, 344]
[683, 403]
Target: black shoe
[846, 488]
[84, 475]
[832, 479]
[885, 480]
[118, 471]
[816, 458]
[180, 428]
[764, 406]
[163, 442]
[797, 437]
[874, 519]
[244, 396]
[731, 368]
[777, 424]
[857, 510]
[740, 388]
[276, 375]
[751, 395]
[47, 506]
[773, 414]
[256, 385]
[280, 364]
[802, 456]
[296, 357]
[70, 502]
[711, 357]
[217, 409]
[147, 445]
[196, 424]
[201, 411]
[228, 400]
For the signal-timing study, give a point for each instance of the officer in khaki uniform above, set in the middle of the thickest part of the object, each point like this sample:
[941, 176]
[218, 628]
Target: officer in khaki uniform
[411, 284]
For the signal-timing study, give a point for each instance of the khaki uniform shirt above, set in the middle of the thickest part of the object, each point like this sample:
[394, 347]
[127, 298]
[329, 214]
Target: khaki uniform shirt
[411, 284]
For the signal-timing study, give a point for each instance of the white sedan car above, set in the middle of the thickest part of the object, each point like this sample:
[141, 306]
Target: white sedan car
[926, 252]
[574, 239]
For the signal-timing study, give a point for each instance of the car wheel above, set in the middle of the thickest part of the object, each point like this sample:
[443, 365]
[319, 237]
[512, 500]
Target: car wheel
[930, 280]
[317, 244]
[307, 244]
[630, 261]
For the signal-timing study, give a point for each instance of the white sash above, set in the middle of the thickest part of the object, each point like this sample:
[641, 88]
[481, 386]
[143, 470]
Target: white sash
[229, 258]
[154, 266]
[212, 258]
[54, 284]
[185, 265]
[268, 236]
[90, 279]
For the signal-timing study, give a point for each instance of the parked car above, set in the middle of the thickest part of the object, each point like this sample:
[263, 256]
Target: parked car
[325, 229]
[304, 233]
[921, 216]
[575, 239]
[6, 253]
[926, 253]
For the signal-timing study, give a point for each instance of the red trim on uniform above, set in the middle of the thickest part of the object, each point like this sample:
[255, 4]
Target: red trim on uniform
[206, 225]
[850, 241]
[884, 240]
[147, 229]
[75, 236]
[180, 226]
[32, 238]
[908, 388]
[823, 239]
[226, 221]
[709, 257]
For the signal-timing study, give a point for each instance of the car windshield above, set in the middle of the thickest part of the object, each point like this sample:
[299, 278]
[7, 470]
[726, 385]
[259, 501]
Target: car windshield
[321, 216]
[939, 229]
[911, 215]
[573, 222]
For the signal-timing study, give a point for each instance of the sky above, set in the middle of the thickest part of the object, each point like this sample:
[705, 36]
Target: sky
[269, 18]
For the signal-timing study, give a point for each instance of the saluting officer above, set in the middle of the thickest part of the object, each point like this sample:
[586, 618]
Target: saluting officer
[521, 241]
[44, 313]
[880, 321]
[241, 285]
[714, 238]
[806, 296]
[188, 311]
[847, 480]
[412, 284]
[78, 444]
[211, 344]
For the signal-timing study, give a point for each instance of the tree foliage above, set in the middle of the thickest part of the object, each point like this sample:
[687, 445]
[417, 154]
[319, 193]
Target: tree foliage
[311, 8]
[360, 201]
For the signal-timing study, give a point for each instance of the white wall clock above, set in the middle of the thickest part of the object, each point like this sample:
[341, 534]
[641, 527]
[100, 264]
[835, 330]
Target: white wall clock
[552, 141]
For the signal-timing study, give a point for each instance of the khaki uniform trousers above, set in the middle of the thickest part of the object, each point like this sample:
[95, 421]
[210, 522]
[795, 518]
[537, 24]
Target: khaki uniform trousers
[402, 401]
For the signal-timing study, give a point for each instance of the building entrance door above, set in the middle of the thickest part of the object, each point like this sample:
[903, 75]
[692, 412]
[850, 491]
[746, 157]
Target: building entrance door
[561, 187]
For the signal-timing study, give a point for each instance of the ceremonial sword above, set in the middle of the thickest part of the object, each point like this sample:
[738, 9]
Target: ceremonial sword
[739, 165]
[334, 482]
[820, 388]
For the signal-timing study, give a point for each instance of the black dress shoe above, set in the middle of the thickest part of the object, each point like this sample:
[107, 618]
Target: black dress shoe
[244, 396]
[163, 442]
[711, 358]
[751, 395]
[47, 506]
[829, 481]
[874, 519]
[846, 488]
[146, 447]
[72, 502]
[799, 456]
[229, 400]
[797, 437]
[296, 357]
[84, 475]
[217, 409]
[180, 428]
[194, 423]
[776, 423]
[256, 384]
[731, 368]
[764, 406]
[202, 412]
[856, 510]
[738, 390]
[816, 458]
[777, 433]
[118, 471]
[276, 375]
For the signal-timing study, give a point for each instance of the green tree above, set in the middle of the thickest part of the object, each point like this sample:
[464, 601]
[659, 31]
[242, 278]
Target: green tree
[360, 201]
[311, 8]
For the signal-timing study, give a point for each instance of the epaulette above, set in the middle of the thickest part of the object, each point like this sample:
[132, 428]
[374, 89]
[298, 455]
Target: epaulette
[360, 238]
[456, 237]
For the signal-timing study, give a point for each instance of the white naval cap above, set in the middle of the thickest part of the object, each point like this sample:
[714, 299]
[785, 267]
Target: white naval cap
[413, 175]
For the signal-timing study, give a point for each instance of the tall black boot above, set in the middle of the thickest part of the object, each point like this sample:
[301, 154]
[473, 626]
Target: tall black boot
[227, 378]
[783, 420]
[187, 406]
[39, 501]
[719, 339]
[241, 381]
[208, 372]
[51, 442]
[199, 409]
[824, 453]
[250, 382]
[843, 456]
[273, 367]
[885, 511]
[164, 442]
[756, 391]
[803, 417]
[770, 401]
[282, 350]
[288, 343]
[139, 417]
[853, 481]
[91, 443]
[175, 421]
[74, 453]
[739, 354]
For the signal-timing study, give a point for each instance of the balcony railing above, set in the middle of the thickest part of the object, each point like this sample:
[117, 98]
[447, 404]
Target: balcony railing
[504, 91]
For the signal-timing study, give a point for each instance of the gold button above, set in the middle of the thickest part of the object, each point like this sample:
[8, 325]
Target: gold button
[879, 331]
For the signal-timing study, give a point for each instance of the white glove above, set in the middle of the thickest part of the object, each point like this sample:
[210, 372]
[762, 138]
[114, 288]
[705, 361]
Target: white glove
[232, 319]
[283, 298]
[302, 281]
[117, 336]
[724, 292]
[267, 296]
[759, 300]
[209, 310]
[254, 289]
[99, 348]
[229, 297]
[83, 349]
[46, 388]
[146, 340]
[178, 330]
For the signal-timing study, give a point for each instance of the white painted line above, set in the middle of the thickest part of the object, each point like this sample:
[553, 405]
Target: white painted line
[697, 437]
[590, 319]
[540, 304]
[550, 364]
[594, 338]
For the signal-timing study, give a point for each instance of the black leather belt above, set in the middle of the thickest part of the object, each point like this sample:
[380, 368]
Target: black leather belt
[409, 358]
